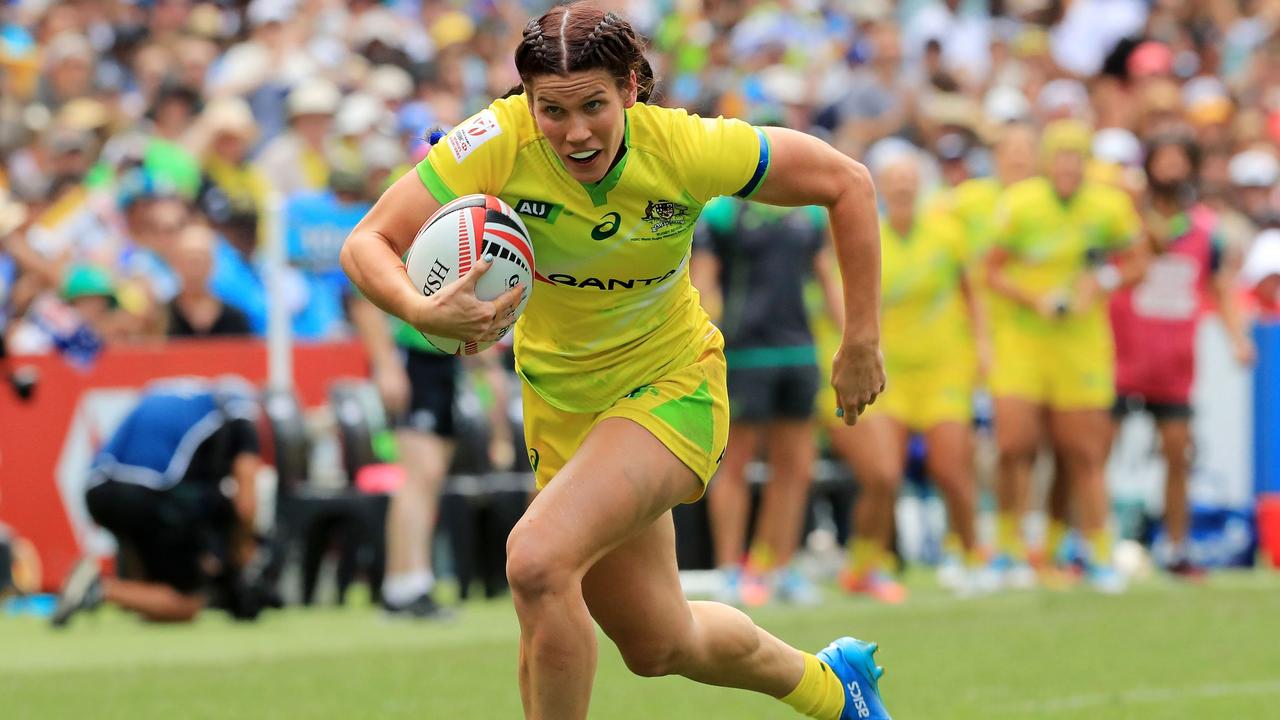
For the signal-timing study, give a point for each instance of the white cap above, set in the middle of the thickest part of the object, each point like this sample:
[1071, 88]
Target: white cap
[69, 45]
[1117, 145]
[1063, 94]
[1203, 88]
[389, 82]
[380, 151]
[229, 115]
[1253, 168]
[1005, 103]
[382, 25]
[315, 96]
[783, 85]
[263, 12]
[889, 150]
[359, 113]
[12, 213]
[1263, 259]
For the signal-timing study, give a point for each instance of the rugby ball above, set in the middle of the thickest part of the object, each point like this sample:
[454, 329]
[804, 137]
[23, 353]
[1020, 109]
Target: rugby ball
[454, 239]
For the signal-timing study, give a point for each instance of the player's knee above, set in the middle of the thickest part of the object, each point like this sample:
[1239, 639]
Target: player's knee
[880, 483]
[534, 569]
[1016, 452]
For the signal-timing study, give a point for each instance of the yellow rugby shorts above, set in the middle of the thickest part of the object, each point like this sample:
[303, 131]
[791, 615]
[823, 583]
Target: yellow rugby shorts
[1061, 371]
[687, 410]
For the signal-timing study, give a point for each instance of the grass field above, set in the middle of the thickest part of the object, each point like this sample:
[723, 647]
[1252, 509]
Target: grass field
[1161, 651]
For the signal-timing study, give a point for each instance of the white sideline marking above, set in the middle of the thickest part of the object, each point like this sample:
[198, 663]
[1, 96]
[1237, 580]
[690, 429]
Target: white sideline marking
[1143, 695]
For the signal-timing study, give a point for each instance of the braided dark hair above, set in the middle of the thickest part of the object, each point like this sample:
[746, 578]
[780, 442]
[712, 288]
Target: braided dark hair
[581, 36]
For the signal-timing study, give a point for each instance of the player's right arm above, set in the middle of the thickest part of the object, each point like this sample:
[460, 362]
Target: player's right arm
[1005, 249]
[372, 254]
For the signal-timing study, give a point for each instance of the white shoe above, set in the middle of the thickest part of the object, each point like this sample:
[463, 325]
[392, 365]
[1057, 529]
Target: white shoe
[952, 574]
[1107, 580]
[729, 591]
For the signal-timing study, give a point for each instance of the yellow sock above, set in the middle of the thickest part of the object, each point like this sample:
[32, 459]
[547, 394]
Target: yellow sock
[1100, 546]
[1009, 536]
[1053, 537]
[973, 558]
[819, 694]
[863, 555]
[951, 545]
[760, 558]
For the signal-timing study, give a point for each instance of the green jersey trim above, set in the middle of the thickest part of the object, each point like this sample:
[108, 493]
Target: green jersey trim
[599, 192]
[764, 357]
[435, 185]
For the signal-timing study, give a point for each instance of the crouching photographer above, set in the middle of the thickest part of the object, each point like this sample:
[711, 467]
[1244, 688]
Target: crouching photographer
[175, 485]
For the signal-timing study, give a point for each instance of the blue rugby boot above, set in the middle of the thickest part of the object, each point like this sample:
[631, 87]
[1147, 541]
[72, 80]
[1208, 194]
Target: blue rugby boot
[852, 661]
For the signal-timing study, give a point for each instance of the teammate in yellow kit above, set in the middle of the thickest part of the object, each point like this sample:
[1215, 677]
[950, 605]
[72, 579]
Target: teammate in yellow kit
[929, 312]
[1053, 363]
[624, 376]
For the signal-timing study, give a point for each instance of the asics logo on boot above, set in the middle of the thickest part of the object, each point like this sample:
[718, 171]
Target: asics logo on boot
[856, 691]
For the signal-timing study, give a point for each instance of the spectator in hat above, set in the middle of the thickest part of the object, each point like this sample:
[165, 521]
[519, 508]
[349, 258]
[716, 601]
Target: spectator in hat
[393, 85]
[68, 70]
[222, 138]
[154, 217]
[294, 161]
[1261, 273]
[1253, 175]
[1062, 99]
[952, 152]
[90, 290]
[360, 116]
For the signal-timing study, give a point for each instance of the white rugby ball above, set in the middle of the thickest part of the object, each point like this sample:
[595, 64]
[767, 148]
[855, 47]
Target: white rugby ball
[454, 239]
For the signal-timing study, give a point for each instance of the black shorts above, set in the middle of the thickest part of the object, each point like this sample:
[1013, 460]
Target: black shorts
[1160, 411]
[762, 394]
[433, 385]
[166, 530]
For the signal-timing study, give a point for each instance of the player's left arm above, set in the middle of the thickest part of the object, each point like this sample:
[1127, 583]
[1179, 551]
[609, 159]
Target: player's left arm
[1225, 263]
[804, 170]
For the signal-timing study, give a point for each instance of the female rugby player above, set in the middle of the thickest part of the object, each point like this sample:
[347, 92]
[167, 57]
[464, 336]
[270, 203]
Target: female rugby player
[624, 395]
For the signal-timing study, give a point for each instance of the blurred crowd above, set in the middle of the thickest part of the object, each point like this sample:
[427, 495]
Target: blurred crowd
[150, 150]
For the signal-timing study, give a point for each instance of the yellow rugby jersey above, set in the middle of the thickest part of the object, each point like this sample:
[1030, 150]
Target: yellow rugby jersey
[612, 306]
[1050, 241]
[974, 204]
[923, 319]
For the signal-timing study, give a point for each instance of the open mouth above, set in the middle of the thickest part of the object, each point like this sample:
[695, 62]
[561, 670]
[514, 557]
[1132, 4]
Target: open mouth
[586, 157]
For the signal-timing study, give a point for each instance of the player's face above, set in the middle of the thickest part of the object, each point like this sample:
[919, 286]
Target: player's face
[899, 183]
[1066, 172]
[1016, 155]
[1170, 165]
[581, 115]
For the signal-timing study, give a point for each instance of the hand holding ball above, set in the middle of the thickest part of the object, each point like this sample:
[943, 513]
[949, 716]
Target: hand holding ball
[473, 257]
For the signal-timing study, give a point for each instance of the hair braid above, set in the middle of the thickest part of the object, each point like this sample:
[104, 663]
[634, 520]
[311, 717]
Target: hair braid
[611, 43]
[537, 42]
